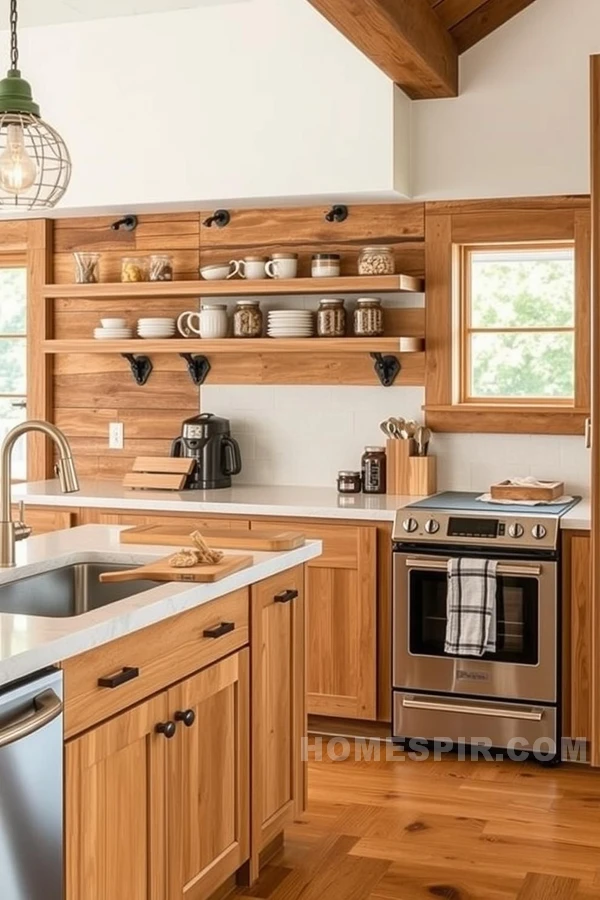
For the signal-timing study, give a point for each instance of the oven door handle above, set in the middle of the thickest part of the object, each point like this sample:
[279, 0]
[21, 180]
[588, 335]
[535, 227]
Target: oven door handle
[530, 715]
[442, 565]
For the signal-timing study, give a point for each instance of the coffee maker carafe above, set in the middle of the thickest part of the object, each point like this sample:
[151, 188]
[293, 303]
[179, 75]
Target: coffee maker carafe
[207, 439]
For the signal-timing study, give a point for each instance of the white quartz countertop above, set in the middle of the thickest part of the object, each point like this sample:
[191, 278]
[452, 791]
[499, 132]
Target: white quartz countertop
[243, 500]
[29, 643]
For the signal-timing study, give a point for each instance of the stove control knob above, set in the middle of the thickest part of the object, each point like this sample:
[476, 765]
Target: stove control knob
[431, 526]
[539, 532]
[410, 525]
[516, 530]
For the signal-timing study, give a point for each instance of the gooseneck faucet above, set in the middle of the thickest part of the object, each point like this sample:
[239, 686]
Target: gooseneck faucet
[11, 531]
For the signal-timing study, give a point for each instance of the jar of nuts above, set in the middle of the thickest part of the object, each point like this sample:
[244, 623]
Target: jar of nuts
[134, 269]
[331, 318]
[368, 317]
[247, 319]
[376, 261]
[161, 267]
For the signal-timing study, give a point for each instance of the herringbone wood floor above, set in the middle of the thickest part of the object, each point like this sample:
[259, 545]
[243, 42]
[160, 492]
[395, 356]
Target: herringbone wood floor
[451, 830]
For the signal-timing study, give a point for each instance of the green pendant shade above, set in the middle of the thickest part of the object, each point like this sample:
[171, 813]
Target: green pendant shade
[16, 95]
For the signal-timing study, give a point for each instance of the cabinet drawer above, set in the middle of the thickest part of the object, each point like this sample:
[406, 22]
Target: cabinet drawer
[43, 519]
[341, 543]
[162, 654]
[203, 524]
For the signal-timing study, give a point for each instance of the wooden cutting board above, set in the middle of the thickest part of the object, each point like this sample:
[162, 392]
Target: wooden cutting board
[178, 536]
[161, 570]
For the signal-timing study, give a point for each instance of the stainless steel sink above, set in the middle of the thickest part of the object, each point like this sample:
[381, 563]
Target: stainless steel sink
[70, 591]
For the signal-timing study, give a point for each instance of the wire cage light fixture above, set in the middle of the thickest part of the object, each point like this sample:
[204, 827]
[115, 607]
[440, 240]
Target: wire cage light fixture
[35, 165]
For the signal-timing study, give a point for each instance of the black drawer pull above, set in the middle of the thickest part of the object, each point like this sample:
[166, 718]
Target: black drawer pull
[218, 631]
[166, 728]
[285, 596]
[122, 677]
[187, 716]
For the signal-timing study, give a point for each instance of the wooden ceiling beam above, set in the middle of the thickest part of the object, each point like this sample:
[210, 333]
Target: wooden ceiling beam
[404, 38]
[490, 15]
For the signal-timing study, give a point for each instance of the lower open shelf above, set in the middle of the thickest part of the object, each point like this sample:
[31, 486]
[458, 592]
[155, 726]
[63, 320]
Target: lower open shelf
[228, 345]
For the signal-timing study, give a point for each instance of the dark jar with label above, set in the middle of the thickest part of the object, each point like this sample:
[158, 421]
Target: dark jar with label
[374, 470]
[349, 482]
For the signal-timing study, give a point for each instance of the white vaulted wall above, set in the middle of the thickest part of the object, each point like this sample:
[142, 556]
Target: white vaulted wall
[229, 100]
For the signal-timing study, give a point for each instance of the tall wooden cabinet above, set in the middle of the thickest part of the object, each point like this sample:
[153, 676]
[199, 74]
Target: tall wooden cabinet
[279, 712]
[577, 635]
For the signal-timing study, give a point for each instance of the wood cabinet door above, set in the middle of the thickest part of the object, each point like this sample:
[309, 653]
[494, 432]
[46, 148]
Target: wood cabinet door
[278, 703]
[577, 629]
[109, 517]
[341, 600]
[114, 808]
[208, 779]
[43, 519]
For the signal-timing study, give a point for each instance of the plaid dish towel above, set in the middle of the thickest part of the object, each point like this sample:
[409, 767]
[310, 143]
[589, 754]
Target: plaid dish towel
[471, 607]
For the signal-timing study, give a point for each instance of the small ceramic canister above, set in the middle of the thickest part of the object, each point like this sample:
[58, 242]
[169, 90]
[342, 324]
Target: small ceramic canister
[282, 265]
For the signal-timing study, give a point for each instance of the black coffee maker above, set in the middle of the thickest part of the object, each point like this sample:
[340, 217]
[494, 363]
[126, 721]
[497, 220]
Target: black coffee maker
[207, 439]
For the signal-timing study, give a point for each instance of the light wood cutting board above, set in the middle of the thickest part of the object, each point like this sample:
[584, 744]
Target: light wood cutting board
[178, 536]
[161, 570]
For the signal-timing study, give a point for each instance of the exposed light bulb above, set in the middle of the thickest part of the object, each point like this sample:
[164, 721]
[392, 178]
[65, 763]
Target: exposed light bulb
[17, 169]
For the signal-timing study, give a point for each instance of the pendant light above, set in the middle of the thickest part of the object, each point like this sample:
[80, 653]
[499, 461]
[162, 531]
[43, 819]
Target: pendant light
[35, 166]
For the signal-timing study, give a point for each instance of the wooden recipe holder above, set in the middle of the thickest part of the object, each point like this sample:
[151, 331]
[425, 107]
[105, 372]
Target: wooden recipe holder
[407, 473]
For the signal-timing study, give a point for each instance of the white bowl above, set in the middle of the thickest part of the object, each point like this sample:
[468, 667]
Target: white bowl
[216, 272]
[114, 323]
[167, 320]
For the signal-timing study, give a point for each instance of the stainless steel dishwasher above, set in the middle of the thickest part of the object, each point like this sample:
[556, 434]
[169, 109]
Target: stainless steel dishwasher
[31, 789]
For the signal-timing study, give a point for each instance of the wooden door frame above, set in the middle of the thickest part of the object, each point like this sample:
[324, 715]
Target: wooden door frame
[595, 409]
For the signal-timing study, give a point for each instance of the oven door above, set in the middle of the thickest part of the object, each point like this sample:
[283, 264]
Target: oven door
[524, 665]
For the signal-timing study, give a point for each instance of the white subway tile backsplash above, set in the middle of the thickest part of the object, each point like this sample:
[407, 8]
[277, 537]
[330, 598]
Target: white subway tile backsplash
[303, 434]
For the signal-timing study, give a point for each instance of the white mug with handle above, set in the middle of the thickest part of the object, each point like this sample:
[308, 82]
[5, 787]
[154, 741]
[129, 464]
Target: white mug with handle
[185, 323]
[280, 266]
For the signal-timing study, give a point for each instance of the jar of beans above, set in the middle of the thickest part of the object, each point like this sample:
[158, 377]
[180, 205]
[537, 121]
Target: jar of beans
[331, 318]
[247, 319]
[376, 261]
[368, 317]
[134, 269]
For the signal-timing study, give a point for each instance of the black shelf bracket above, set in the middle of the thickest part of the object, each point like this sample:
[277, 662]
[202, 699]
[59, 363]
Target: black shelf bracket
[197, 366]
[221, 218]
[337, 213]
[127, 223]
[387, 368]
[141, 367]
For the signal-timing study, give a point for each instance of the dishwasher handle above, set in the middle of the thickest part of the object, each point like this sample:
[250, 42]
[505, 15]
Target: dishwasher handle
[45, 707]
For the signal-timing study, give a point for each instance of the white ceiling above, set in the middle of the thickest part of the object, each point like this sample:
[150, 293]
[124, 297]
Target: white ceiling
[53, 12]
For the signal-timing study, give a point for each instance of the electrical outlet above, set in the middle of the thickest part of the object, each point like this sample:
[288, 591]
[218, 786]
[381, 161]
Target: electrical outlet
[115, 436]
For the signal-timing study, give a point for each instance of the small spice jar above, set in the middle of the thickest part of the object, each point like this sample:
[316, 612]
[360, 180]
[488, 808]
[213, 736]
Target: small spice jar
[87, 268]
[161, 267]
[247, 319]
[331, 318]
[376, 261]
[373, 465]
[368, 317]
[349, 482]
[326, 265]
[134, 269]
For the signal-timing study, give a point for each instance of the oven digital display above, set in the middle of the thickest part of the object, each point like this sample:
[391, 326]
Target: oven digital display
[466, 527]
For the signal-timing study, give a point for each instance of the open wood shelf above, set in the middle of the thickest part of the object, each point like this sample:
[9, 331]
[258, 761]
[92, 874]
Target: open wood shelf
[230, 345]
[359, 284]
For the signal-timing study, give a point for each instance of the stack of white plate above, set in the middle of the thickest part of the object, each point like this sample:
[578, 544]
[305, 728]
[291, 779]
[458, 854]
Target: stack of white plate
[112, 334]
[156, 328]
[290, 323]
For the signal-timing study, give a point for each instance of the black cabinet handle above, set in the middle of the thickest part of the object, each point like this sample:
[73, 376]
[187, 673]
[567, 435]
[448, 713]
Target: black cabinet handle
[218, 631]
[166, 728]
[285, 596]
[113, 681]
[187, 716]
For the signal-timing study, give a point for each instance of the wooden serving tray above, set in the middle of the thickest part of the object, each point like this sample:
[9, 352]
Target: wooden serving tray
[179, 536]
[550, 490]
[161, 570]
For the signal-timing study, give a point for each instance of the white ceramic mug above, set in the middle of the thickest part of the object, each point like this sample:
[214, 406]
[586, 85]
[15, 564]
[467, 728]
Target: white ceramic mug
[252, 268]
[220, 271]
[212, 322]
[282, 267]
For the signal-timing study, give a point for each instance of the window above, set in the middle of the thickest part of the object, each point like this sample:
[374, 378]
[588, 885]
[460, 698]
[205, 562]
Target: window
[13, 356]
[517, 329]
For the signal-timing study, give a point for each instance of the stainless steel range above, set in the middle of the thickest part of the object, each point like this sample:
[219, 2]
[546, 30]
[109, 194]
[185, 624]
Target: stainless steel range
[509, 698]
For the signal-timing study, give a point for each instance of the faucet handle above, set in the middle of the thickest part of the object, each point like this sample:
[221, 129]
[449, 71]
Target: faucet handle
[21, 511]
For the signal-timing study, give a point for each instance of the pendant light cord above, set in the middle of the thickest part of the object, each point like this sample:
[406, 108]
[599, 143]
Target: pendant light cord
[14, 47]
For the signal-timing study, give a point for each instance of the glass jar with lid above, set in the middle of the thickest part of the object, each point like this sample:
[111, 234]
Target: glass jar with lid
[368, 317]
[331, 318]
[247, 319]
[326, 265]
[376, 261]
[134, 268]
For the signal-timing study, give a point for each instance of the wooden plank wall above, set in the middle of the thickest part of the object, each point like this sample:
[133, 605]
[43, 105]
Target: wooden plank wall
[91, 391]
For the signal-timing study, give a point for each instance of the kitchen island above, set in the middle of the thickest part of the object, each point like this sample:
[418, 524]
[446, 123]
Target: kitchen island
[183, 717]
